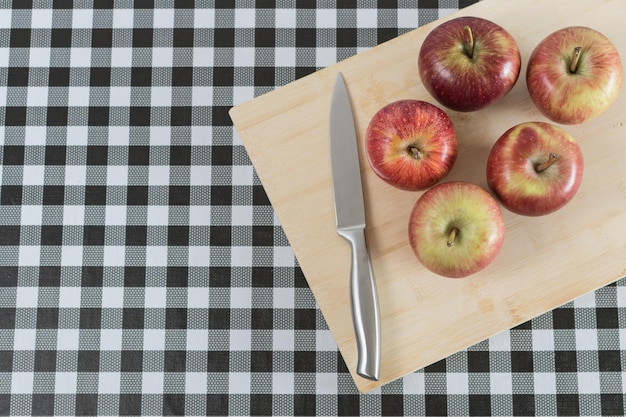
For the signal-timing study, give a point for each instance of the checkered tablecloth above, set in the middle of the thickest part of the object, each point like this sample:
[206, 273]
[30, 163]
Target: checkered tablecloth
[142, 269]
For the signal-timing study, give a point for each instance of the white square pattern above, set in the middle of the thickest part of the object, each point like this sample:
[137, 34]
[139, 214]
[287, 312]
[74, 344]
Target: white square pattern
[285, 18]
[163, 18]
[195, 382]
[543, 339]
[39, 57]
[457, 383]
[37, 96]
[285, 57]
[27, 297]
[326, 18]
[152, 382]
[501, 383]
[245, 18]
[244, 57]
[197, 340]
[162, 57]
[24, 339]
[239, 382]
[282, 383]
[367, 18]
[109, 382]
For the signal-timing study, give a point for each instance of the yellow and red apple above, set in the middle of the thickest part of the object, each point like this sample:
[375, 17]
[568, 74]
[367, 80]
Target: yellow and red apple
[456, 229]
[574, 75]
[535, 168]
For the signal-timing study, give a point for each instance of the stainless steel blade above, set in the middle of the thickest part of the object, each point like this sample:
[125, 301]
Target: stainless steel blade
[350, 216]
[349, 208]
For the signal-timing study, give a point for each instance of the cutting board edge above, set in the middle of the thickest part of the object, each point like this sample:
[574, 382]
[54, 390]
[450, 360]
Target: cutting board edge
[364, 386]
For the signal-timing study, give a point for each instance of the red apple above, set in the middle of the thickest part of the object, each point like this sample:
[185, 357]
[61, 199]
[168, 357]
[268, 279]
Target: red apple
[574, 74]
[468, 63]
[456, 229]
[535, 168]
[411, 144]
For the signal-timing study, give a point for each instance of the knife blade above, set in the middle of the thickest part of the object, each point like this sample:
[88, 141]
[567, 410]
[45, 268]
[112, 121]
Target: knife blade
[350, 217]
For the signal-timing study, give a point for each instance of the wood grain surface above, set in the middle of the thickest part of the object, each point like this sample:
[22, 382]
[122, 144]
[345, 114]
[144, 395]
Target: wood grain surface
[544, 262]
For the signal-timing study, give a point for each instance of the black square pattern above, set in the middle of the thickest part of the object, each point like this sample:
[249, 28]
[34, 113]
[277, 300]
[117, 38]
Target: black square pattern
[43, 405]
[436, 405]
[88, 360]
[217, 404]
[612, 404]
[95, 195]
[92, 276]
[219, 318]
[304, 361]
[304, 405]
[305, 319]
[522, 361]
[133, 318]
[261, 361]
[11, 195]
[49, 276]
[86, 404]
[93, 235]
[58, 76]
[478, 361]
[45, 361]
[348, 405]
[261, 405]
[177, 276]
[6, 361]
[175, 361]
[134, 276]
[523, 405]
[17, 77]
[137, 195]
[98, 116]
[176, 318]
[131, 361]
[47, 318]
[90, 318]
[218, 361]
[174, 404]
[8, 276]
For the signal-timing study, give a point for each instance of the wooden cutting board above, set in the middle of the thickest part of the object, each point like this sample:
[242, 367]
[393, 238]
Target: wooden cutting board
[544, 262]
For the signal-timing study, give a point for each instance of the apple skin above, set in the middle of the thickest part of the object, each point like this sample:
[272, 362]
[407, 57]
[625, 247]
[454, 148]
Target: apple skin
[465, 83]
[572, 98]
[411, 144]
[470, 209]
[512, 168]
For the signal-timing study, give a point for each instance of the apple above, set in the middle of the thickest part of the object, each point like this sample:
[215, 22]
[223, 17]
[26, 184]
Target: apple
[411, 144]
[456, 229]
[574, 75]
[468, 63]
[535, 168]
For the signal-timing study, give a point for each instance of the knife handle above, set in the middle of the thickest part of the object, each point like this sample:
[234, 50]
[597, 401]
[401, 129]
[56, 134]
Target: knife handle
[365, 312]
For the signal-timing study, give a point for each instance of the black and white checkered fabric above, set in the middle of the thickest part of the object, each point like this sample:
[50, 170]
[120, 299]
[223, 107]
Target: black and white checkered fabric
[142, 269]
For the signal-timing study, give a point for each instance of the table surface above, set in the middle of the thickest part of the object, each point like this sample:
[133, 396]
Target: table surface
[142, 268]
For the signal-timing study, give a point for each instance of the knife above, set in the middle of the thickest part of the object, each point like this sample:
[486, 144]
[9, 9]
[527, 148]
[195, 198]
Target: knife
[350, 216]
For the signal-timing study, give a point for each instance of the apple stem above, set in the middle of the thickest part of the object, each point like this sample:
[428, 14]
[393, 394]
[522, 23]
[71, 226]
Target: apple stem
[415, 152]
[573, 66]
[470, 43]
[452, 236]
[542, 166]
